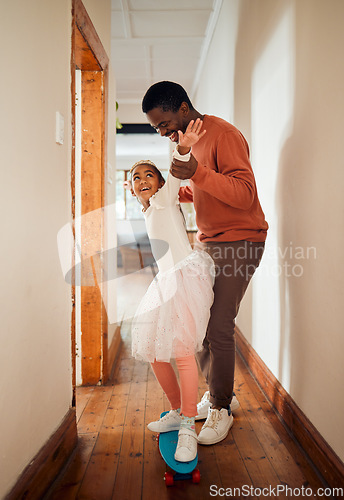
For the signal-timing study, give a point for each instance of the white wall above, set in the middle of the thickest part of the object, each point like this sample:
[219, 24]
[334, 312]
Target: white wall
[131, 112]
[286, 90]
[219, 67]
[100, 14]
[35, 366]
[35, 354]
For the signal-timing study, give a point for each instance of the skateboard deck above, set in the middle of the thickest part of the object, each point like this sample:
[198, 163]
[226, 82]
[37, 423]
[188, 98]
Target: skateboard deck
[183, 470]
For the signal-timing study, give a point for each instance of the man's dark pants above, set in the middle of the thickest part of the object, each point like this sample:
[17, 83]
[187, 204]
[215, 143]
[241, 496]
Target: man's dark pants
[235, 263]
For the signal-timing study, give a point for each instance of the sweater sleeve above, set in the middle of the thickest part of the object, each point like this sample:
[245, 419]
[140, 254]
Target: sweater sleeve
[233, 182]
[185, 194]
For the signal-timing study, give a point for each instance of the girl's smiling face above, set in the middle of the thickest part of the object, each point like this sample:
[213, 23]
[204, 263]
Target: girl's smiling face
[145, 182]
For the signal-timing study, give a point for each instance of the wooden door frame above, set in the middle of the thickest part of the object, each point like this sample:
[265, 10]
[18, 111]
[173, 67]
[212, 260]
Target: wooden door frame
[89, 56]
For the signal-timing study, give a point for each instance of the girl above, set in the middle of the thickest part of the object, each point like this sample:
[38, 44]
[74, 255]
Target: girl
[172, 317]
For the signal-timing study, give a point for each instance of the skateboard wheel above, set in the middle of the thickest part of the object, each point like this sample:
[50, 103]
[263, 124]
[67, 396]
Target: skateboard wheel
[169, 481]
[196, 476]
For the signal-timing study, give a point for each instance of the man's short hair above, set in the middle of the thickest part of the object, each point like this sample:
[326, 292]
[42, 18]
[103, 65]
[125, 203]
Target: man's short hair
[168, 96]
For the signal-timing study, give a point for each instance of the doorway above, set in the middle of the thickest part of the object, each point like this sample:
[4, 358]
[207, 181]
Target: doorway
[89, 71]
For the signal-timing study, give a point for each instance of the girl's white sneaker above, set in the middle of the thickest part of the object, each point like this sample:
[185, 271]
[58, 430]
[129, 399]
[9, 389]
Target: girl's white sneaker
[169, 422]
[187, 445]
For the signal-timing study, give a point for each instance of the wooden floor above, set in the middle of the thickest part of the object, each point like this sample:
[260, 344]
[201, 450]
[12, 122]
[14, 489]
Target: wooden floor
[117, 456]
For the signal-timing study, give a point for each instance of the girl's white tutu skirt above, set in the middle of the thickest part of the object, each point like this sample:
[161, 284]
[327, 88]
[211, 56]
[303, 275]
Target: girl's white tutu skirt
[172, 318]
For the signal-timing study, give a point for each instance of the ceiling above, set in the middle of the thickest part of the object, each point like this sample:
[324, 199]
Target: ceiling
[153, 40]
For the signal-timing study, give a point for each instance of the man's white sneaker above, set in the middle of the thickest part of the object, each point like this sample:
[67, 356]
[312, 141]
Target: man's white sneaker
[169, 422]
[204, 405]
[216, 427]
[187, 445]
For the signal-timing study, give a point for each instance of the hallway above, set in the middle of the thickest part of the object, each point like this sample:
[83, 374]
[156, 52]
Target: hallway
[118, 458]
[272, 69]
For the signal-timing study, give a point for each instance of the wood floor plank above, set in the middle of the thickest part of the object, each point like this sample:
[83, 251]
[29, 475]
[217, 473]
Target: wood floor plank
[99, 479]
[93, 414]
[100, 476]
[250, 386]
[67, 486]
[254, 458]
[118, 457]
[153, 465]
[230, 463]
[128, 484]
[280, 459]
[207, 462]
[125, 367]
[83, 395]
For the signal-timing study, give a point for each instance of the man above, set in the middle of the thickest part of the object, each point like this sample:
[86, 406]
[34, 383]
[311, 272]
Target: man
[232, 229]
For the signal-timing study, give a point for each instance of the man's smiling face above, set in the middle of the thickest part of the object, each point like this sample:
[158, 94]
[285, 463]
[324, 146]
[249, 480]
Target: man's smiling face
[167, 123]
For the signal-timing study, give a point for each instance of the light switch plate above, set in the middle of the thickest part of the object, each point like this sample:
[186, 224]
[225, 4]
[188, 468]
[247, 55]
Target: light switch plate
[59, 128]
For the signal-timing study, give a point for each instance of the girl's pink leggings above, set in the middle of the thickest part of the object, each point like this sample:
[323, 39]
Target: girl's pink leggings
[185, 396]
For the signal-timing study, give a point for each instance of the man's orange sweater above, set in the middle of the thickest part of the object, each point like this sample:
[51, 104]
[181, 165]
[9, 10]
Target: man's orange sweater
[223, 188]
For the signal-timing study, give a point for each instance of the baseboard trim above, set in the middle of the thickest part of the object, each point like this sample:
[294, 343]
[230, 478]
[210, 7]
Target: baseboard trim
[46, 465]
[114, 350]
[314, 445]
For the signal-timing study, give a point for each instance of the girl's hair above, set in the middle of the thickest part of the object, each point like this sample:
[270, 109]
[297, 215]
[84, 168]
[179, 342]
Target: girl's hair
[160, 177]
[151, 164]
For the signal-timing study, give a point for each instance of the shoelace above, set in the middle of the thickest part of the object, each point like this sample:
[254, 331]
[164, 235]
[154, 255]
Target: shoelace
[185, 441]
[213, 419]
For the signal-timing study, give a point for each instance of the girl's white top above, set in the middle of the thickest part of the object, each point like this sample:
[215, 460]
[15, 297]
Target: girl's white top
[172, 317]
[166, 227]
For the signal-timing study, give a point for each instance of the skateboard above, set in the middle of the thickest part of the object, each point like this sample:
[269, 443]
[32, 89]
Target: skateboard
[182, 470]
